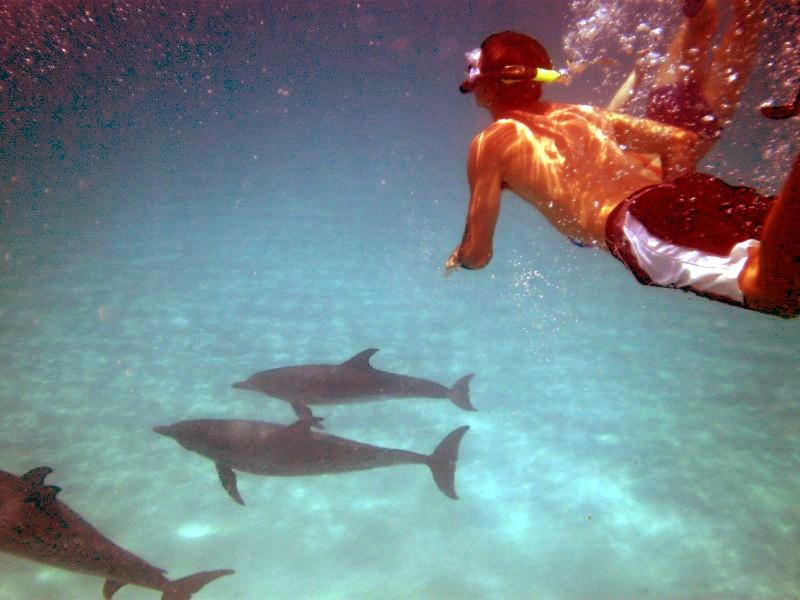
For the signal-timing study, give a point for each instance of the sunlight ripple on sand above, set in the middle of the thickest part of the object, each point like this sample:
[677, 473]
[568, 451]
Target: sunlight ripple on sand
[194, 530]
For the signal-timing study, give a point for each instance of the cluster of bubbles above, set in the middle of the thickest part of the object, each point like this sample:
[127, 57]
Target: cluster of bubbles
[87, 84]
[618, 33]
[76, 75]
[623, 32]
[779, 68]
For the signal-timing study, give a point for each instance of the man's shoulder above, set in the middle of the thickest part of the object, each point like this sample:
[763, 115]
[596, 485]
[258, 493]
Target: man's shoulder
[574, 111]
[547, 113]
[550, 118]
[496, 136]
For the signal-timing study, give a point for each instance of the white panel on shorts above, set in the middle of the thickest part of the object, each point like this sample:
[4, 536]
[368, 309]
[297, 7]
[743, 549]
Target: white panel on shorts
[681, 267]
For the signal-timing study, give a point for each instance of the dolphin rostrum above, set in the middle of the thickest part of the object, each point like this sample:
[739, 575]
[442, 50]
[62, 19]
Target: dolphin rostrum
[36, 525]
[355, 380]
[265, 448]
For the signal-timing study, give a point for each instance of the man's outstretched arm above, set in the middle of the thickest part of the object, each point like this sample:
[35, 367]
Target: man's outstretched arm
[484, 171]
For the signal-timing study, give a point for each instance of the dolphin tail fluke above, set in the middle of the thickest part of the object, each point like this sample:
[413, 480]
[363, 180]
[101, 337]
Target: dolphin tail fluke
[443, 462]
[182, 589]
[459, 393]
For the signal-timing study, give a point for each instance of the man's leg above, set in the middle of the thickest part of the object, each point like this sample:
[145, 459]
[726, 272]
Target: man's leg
[770, 281]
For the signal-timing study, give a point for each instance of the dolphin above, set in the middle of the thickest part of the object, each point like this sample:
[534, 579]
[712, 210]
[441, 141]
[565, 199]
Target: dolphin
[36, 525]
[265, 448]
[355, 380]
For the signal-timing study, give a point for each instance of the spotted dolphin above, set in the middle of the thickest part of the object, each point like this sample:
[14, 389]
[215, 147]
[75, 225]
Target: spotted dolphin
[265, 448]
[352, 381]
[36, 525]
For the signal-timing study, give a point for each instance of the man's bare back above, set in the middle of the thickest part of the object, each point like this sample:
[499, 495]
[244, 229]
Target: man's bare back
[573, 163]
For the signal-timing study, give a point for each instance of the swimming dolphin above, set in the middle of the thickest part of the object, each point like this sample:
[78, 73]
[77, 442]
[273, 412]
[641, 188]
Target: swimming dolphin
[352, 381]
[265, 448]
[36, 525]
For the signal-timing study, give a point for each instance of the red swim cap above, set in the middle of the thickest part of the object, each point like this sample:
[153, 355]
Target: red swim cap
[512, 48]
[501, 51]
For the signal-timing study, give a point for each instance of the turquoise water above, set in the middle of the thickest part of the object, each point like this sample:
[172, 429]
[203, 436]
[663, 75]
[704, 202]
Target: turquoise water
[630, 442]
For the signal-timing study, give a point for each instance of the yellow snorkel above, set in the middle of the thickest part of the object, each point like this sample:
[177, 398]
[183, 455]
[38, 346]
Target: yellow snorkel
[517, 73]
[547, 75]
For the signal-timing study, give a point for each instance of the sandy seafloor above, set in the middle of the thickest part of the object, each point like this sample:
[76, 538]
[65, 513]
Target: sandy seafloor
[629, 442]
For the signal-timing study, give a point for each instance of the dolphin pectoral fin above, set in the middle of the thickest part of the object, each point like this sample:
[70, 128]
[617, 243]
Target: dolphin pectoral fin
[228, 479]
[110, 588]
[361, 360]
[299, 429]
[182, 589]
[303, 412]
[304, 424]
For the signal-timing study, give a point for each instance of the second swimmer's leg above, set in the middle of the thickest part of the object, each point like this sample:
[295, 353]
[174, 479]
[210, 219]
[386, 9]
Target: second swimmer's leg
[735, 58]
[692, 7]
[687, 55]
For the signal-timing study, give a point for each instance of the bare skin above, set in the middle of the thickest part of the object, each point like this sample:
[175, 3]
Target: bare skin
[573, 163]
[770, 279]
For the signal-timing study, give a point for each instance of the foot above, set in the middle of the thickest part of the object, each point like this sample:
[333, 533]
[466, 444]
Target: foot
[783, 111]
[692, 7]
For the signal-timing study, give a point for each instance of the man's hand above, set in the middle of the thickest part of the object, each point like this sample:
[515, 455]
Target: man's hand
[452, 263]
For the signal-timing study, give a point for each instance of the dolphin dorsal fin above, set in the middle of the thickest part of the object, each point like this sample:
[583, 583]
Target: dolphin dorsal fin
[36, 476]
[227, 478]
[361, 360]
[37, 492]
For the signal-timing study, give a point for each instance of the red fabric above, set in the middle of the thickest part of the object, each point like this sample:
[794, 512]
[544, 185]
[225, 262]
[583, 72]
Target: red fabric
[692, 7]
[695, 211]
[618, 243]
[701, 212]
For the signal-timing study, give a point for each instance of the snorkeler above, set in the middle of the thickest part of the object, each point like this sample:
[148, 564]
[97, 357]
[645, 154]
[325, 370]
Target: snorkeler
[695, 88]
[588, 171]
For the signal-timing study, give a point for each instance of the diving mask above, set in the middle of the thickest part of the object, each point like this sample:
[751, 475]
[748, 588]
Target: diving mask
[509, 74]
